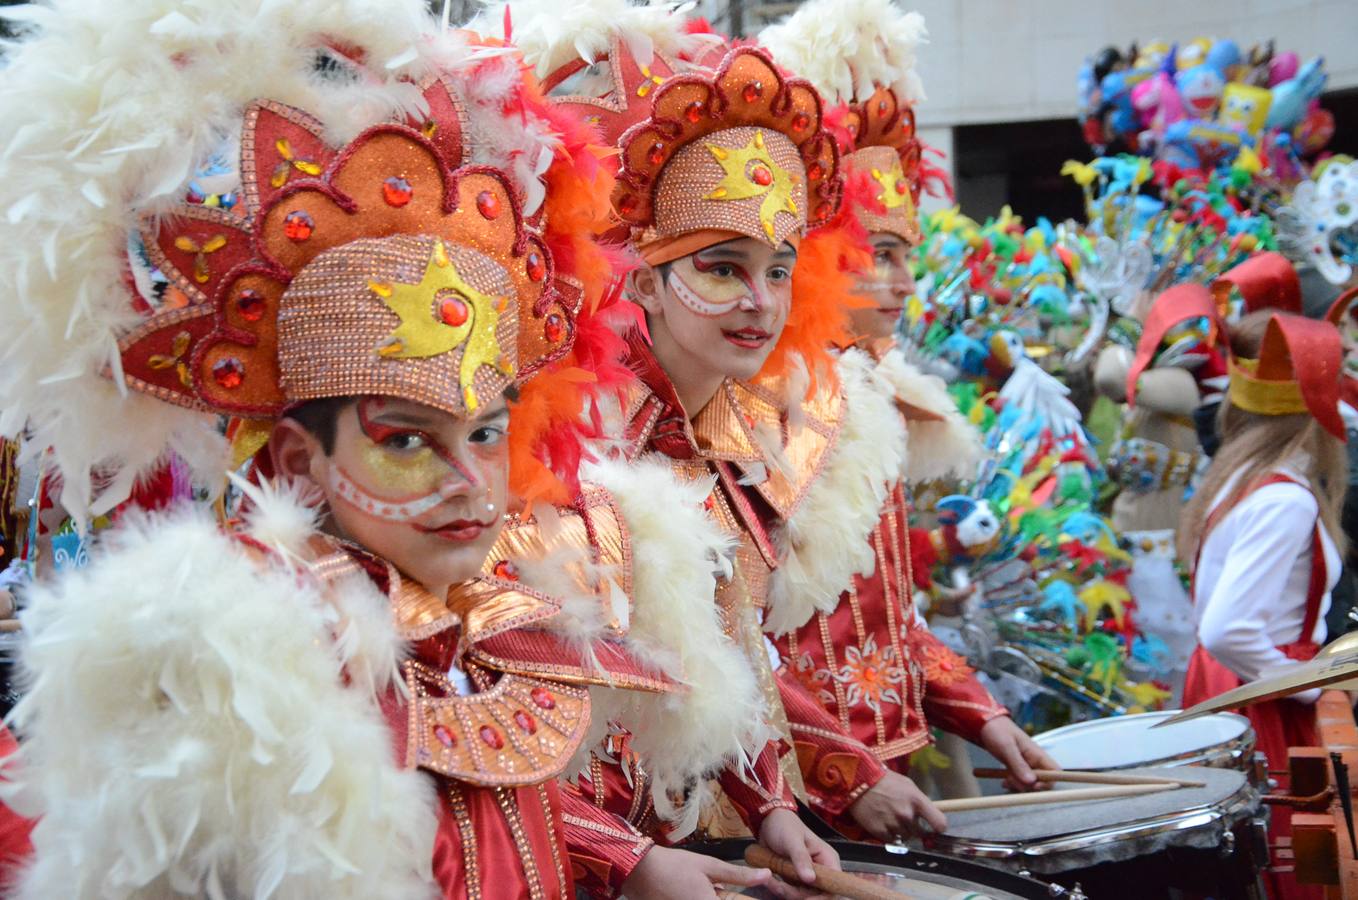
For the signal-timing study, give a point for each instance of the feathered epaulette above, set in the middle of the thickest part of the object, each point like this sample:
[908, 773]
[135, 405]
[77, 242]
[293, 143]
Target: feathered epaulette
[187, 729]
[849, 49]
[826, 541]
[718, 717]
[941, 441]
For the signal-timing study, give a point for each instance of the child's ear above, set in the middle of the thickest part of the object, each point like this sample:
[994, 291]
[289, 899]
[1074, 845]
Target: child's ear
[293, 450]
[647, 288]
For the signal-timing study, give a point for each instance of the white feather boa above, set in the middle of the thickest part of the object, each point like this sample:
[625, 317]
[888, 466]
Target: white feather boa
[550, 33]
[846, 48]
[825, 542]
[718, 717]
[950, 447]
[109, 110]
[187, 731]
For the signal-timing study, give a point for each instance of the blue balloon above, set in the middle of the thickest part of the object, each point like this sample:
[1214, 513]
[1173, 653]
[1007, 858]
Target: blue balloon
[1224, 54]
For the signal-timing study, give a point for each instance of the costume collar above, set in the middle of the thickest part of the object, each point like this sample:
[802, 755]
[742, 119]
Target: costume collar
[777, 447]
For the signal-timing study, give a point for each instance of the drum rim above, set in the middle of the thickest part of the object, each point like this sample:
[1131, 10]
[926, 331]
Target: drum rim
[1236, 752]
[916, 860]
[1034, 853]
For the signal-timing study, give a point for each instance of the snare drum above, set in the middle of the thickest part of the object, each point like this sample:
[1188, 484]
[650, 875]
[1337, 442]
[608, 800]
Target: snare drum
[1222, 741]
[920, 875]
[1203, 839]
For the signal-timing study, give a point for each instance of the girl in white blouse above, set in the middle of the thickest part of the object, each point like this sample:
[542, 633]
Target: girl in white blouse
[1262, 531]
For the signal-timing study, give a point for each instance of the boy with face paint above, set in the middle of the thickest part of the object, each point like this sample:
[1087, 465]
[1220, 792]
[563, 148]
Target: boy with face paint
[368, 685]
[858, 632]
[723, 163]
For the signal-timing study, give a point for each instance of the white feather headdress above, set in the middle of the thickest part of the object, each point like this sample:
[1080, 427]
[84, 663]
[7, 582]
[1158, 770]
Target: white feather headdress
[549, 33]
[848, 49]
[110, 109]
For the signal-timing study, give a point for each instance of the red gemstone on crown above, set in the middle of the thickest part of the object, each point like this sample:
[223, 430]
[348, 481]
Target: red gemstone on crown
[902, 186]
[452, 311]
[444, 736]
[525, 721]
[487, 204]
[694, 111]
[397, 191]
[229, 372]
[554, 329]
[761, 176]
[542, 698]
[537, 267]
[506, 570]
[492, 738]
[656, 154]
[250, 304]
[800, 121]
[298, 225]
[752, 91]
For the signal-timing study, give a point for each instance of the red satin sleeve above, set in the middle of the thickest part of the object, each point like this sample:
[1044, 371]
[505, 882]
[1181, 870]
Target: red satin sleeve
[954, 699]
[755, 791]
[836, 768]
[603, 847]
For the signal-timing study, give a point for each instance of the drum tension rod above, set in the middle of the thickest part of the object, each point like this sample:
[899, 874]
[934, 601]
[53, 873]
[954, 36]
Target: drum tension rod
[1341, 783]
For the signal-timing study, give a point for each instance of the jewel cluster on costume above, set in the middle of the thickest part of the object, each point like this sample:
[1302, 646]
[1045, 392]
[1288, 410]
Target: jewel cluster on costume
[385, 266]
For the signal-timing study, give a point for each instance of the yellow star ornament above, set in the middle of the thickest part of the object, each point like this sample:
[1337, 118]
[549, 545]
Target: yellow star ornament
[751, 172]
[895, 189]
[441, 313]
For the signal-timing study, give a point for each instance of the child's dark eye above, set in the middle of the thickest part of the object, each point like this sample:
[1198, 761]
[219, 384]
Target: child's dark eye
[721, 270]
[405, 440]
[487, 435]
[780, 273]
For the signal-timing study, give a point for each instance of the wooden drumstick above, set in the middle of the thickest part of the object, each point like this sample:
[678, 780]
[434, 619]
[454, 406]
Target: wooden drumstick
[831, 881]
[1035, 799]
[1077, 776]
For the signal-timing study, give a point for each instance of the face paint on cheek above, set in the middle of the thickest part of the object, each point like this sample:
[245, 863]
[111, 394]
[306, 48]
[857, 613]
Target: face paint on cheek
[388, 510]
[700, 306]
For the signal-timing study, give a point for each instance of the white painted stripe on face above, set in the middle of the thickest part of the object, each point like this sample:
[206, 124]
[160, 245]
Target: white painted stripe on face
[698, 304]
[402, 512]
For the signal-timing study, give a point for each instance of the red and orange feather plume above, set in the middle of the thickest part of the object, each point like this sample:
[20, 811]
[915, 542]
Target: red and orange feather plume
[548, 423]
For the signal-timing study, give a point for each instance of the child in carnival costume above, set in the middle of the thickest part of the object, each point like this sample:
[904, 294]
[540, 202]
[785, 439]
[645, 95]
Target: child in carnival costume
[723, 163]
[839, 638]
[369, 684]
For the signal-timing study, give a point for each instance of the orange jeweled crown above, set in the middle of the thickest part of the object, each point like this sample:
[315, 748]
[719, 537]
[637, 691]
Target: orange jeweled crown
[385, 266]
[884, 155]
[708, 155]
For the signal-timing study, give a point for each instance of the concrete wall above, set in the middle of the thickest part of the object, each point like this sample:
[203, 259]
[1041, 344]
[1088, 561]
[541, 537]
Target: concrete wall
[1016, 60]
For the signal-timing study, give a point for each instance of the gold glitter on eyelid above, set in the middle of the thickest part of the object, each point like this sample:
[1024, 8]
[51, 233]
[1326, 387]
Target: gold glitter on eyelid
[407, 473]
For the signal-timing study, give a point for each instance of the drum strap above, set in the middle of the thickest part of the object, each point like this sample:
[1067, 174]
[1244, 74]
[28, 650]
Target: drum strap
[1315, 588]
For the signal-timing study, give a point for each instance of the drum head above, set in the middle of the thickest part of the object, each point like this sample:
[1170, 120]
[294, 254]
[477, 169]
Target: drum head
[1059, 837]
[1124, 741]
[926, 876]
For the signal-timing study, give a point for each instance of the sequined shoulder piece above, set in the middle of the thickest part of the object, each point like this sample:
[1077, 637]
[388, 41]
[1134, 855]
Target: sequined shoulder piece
[749, 424]
[539, 653]
[522, 731]
[503, 597]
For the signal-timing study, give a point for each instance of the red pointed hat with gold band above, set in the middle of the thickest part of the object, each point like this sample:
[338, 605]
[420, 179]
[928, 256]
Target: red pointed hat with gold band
[861, 56]
[1297, 371]
[1264, 281]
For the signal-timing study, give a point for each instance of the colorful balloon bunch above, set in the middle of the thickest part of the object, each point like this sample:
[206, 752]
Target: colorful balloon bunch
[1200, 105]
